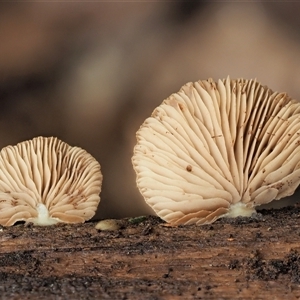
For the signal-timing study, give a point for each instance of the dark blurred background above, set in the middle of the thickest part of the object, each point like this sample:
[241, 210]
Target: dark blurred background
[90, 73]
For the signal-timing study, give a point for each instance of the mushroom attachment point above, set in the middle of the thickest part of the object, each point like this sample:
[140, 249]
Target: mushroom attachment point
[217, 149]
[45, 181]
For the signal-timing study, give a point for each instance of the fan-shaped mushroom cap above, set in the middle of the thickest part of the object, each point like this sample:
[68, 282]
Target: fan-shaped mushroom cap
[218, 149]
[45, 181]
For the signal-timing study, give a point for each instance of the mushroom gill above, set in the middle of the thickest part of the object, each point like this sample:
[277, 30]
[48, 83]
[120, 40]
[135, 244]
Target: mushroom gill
[45, 181]
[218, 149]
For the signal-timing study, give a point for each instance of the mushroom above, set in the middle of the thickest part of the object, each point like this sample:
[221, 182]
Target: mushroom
[108, 225]
[218, 149]
[45, 181]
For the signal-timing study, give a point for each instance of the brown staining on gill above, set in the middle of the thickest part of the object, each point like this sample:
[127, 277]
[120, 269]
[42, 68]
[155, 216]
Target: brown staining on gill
[14, 202]
[189, 168]
[212, 85]
[278, 185]
[180, 106]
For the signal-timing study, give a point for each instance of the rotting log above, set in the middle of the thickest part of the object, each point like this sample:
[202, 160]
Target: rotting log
[242, 258]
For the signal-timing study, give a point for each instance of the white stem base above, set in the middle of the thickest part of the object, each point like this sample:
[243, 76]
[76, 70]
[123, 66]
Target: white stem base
[43, 218]
[240, 209]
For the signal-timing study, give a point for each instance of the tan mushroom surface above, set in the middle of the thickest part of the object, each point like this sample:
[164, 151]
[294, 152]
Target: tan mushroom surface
[218, 149]
[45, 181]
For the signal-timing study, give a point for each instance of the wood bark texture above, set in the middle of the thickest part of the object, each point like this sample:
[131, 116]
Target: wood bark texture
[242, 258]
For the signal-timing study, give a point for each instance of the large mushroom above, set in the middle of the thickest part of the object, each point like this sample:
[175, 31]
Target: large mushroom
[218, 149]
[45, 181]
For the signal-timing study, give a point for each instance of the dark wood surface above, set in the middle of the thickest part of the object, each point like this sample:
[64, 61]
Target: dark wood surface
[243, 258]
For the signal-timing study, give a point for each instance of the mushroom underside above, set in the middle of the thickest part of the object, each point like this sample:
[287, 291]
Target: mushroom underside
[45, 181]
[218, 149]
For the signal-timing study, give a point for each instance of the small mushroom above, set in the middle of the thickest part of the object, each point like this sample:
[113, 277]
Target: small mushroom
[218, 149]
[45, 181]
[108, 225]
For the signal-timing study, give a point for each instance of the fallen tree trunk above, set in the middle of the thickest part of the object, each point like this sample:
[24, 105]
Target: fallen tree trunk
[246, 258]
